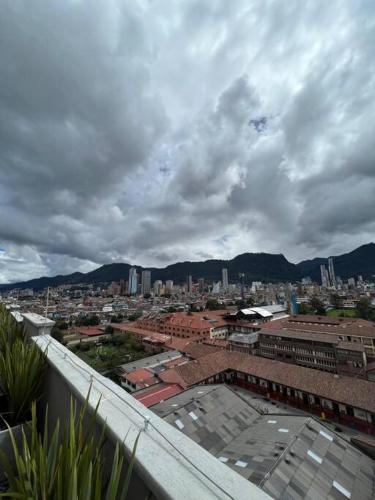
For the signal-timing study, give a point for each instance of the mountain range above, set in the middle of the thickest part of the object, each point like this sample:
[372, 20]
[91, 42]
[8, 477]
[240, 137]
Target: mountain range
[256, 267]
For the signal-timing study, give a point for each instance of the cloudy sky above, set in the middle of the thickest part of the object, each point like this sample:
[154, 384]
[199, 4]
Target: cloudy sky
[155, 131]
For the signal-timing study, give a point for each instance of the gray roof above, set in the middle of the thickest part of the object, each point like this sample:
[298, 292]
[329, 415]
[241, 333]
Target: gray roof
[289, 456]
[244, 338]
[150, 361]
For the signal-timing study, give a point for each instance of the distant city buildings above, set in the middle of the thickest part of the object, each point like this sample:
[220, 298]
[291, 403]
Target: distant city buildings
[332, 276]
[133, 281]
[224, 278]
[158, 286]
[169, 286]
[324, 276]
[146, 282]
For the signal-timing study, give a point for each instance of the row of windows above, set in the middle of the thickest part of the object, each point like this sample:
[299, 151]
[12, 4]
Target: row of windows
[299, 350]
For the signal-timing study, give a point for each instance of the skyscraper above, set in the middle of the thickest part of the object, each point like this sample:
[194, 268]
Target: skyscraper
[133, 281]
[190, 284]
[146, 282]
[201, 285]
[224, 274]
[324, 276]
[158, 285]
[332, 276]
[169, 286]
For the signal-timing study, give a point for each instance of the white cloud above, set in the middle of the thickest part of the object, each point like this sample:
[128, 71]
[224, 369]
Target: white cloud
[160, 131]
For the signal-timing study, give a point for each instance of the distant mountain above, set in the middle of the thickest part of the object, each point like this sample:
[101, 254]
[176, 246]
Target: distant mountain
[255, 266]
[359, 261]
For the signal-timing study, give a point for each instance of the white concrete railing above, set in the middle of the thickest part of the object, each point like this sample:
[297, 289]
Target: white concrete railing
[170, 464]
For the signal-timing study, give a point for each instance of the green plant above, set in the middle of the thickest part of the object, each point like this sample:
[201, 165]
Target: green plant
[10, 330]
[67, 467]
[22, 366]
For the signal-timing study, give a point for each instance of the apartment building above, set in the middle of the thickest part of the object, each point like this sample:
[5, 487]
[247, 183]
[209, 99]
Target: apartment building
[320, 351]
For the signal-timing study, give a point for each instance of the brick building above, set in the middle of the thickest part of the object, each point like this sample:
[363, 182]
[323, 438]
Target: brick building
[346, 400]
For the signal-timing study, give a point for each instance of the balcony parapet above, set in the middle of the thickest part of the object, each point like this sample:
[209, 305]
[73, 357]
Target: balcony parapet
[169, 464]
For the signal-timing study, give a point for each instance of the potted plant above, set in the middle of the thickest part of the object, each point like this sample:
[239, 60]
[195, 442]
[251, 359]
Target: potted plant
[65, 465]
[22, 366]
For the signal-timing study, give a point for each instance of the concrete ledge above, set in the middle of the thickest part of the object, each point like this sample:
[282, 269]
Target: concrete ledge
[36, 324]
[170, 464]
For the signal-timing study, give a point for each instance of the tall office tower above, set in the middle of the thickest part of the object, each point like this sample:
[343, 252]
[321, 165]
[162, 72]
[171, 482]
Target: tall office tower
[169, 286]
[158, 285]
[122, 287]
[133, 281]
[332, 276]
[224, 280]
[201, 285]
[146, 282]
[293, 303]
[351, 282]
[324, 275]
[190, 284]
[216, 287]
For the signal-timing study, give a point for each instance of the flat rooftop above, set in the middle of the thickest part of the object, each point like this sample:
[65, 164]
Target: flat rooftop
[150, 361]
[288, 456]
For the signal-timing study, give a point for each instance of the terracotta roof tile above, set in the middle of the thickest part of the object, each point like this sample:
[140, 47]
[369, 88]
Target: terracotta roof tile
[346, 390]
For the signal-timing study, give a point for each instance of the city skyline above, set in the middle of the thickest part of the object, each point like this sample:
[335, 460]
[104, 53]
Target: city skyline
[163, 132]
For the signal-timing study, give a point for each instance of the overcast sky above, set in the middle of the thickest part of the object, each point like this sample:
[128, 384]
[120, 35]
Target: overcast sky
[156, 131]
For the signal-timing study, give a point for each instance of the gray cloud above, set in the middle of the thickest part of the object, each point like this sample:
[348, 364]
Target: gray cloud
[160, 131]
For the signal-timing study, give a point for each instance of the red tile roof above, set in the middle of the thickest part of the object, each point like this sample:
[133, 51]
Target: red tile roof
[157, 394]
[346, 390]
[323, 324]
[199, 350]
[141, 377]
[181, 344]
[90, 331]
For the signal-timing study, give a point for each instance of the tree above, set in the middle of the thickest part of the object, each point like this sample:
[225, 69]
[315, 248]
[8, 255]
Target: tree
[135, 316]
[94, 320]
[241, 304]
[336, 300]
[304, 309]
[62, 325]
[213, 305]
[57, 334]
[365, 310]
[109, 330]
[250, 301]
[318, 306]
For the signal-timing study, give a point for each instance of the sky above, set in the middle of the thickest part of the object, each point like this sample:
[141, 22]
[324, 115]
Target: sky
[152, 132]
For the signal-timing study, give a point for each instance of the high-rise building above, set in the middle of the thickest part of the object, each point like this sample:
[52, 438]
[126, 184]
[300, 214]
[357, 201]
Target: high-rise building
[351, 282]
[169, 286]
[190, 284]
[146, 282]
[332, 277]
[216, 287]
[158, 285]
[324, 276]
[133, 281]
[201, 285]
[224, 280]
[122, 287]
